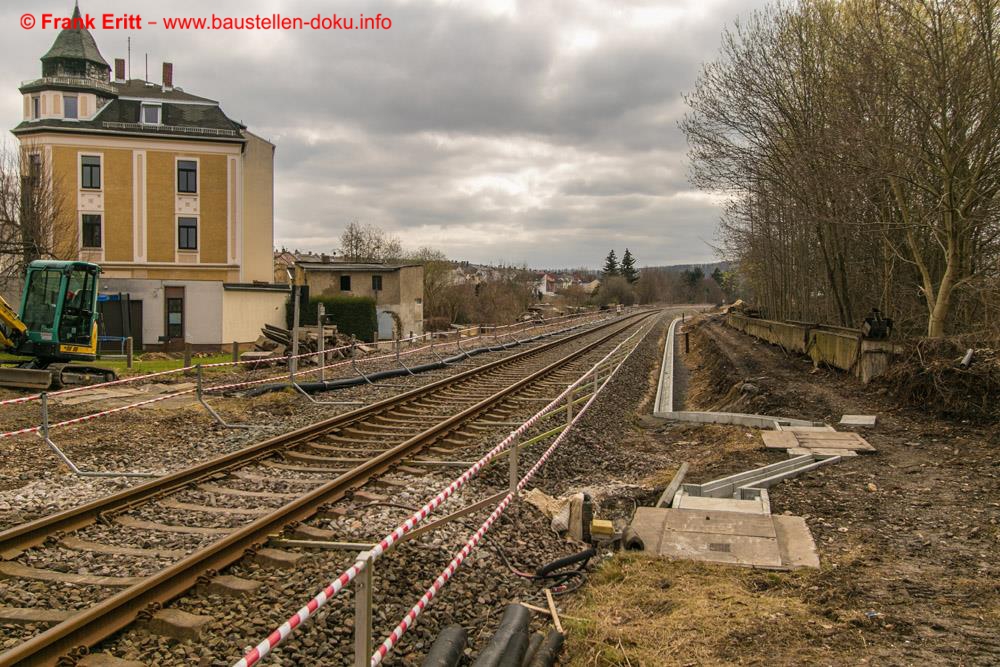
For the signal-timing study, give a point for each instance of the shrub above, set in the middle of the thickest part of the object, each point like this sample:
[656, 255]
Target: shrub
[352, 314]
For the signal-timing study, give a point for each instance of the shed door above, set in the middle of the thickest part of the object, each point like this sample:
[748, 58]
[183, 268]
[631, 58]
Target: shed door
[385, 325]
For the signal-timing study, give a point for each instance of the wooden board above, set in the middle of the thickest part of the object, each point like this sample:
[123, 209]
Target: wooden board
[814, 440]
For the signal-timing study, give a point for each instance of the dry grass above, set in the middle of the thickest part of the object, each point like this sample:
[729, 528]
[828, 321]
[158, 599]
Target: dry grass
[647, 611]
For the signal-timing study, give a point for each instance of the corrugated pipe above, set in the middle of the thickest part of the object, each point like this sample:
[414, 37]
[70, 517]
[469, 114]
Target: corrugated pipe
[510, 642]
[548, 653]
[448, 648]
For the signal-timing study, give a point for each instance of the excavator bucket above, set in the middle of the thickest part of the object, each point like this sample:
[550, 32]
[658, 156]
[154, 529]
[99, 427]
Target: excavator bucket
[25, 378]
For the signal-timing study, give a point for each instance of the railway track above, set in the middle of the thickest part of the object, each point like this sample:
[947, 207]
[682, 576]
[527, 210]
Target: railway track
[182, 529]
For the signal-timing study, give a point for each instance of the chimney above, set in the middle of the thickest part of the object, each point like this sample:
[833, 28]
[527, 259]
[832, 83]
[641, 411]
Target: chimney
[168, 75]
[119, 70]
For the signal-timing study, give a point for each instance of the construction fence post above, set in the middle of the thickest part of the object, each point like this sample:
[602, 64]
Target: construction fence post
[236, 352]
[363, 613]
[128, 352]
[513, 475]
[293, 362]
[321, 340]
[187, 354]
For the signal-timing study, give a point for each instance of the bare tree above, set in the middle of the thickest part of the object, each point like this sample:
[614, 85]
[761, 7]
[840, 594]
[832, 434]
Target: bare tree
[858, 142]
[368, 243]
[30, 213]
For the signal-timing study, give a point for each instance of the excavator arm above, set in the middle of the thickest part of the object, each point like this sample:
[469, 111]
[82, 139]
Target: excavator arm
[12, 329]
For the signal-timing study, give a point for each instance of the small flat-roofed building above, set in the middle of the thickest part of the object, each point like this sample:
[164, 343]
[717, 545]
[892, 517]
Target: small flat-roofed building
[398, 290]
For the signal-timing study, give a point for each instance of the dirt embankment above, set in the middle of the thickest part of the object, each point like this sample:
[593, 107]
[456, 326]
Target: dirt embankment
[907, 537]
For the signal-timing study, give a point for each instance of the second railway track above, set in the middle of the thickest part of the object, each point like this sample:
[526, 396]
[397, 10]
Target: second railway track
[184, 528]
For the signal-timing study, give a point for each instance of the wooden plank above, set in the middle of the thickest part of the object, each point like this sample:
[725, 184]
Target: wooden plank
[779, 439]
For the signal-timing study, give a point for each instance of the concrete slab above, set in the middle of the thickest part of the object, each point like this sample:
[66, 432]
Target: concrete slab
[737, 538]
[33, 615]
[689, 502]
[859, 420]
[732, 549]
[277, 559]
[231, 586]
[718, 523]
[795, 542]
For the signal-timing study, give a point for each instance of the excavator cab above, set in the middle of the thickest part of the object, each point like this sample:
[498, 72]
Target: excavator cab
[59, 310]
[57, 323]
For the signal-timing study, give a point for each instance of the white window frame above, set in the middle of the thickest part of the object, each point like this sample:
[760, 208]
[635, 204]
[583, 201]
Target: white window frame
[35, 107]
[177, 233]
[84, 248]
[79, 171]
[197, 176]
[79, 168]
[151, 105]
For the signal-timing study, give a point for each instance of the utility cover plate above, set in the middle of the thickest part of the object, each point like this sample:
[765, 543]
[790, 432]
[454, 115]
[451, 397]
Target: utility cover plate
[726, 537]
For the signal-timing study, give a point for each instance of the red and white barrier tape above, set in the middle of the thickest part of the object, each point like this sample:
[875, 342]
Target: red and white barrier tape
[262, 649]
[456, 562]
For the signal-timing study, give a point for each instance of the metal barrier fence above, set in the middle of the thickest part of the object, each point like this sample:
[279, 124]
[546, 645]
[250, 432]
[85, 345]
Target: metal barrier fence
[46, 426]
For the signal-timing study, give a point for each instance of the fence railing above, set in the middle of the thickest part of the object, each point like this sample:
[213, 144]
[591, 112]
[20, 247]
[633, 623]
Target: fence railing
[324, 362]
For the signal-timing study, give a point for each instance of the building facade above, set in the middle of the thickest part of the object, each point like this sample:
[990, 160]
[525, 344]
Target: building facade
[161, 188]
[398, 290]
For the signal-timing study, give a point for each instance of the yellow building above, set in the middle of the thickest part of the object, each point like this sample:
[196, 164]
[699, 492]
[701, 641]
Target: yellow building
[161, 188]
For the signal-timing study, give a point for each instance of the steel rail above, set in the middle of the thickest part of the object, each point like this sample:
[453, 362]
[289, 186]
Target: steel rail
[88, 627]
[16, 539]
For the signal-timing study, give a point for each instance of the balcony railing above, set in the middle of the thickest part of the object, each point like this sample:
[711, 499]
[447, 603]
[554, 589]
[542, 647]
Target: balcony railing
[76, 82]
[170, 129]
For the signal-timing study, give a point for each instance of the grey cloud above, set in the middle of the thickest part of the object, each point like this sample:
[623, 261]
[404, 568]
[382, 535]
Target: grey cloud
[544, 135]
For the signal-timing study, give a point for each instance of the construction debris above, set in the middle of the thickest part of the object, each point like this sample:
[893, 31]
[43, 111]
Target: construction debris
[275, 342]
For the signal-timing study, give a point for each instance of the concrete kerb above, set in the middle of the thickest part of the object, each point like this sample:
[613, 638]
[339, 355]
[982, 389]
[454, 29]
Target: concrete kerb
[665, 388]
[735, 418]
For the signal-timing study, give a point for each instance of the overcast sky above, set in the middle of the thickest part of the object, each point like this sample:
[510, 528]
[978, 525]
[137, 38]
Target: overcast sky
[528, 132]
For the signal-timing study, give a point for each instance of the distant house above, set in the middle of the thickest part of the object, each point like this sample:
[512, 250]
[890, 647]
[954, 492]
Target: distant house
[546, 285]
[398, 290]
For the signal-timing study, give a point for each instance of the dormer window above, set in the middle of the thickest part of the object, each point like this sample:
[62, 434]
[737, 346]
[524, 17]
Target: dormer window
[70, 106]
[150, 114]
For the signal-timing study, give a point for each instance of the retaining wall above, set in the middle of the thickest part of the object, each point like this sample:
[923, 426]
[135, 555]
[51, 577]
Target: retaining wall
[838, 347]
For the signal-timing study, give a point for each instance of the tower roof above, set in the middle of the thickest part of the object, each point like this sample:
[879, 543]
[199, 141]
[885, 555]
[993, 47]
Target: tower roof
[76, 43]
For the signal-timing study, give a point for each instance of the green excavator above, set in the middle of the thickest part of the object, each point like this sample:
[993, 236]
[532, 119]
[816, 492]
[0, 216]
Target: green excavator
[56, 325]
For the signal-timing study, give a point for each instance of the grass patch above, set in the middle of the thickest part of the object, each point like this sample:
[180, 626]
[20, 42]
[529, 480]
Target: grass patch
[647, 611]
[141, 367]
